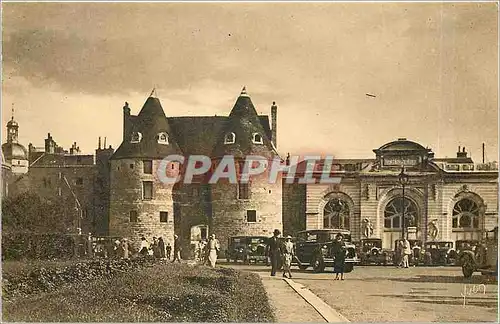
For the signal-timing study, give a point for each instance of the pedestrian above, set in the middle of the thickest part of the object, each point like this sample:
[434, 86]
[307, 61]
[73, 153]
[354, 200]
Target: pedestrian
[143, 249]
[339, 253]
[177, 249]
[161, 247]
[168, 249]
[288, 253]
[125, 250]
[406, 252]
[399, 252]
[274, 251]
[155, 248]
[213, 250]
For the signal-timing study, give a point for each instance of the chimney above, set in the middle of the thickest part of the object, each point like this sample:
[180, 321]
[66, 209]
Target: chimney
[99, 147]
[483, 153]
[274, 124]
[462, 154]
[104, 142]
[126, 121]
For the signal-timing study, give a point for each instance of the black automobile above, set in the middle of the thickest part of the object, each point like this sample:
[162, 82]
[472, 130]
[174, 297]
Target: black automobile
[465, 245]
[439, 253]
[314, 248]
[236, 248]
[370, 252]
[255, 249]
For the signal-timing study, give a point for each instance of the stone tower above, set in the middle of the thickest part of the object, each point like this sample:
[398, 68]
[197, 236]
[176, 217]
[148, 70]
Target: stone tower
[245, 209]
[14, 153]
[140, 204]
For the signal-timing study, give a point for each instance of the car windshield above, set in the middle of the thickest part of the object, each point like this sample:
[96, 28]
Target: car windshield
[256, 240]
[347, 237]
[236, 239]
[445, 245]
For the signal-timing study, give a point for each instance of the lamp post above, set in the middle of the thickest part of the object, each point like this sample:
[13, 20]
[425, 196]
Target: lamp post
[404, 179]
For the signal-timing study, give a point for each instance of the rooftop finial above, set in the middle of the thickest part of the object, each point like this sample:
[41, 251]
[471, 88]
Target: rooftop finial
[12, 111]
[153, 93]
[244, 92]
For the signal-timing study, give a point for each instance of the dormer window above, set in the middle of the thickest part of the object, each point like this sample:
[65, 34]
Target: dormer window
[162, 138]
[136, 137]
[257, 138]
[229, 138]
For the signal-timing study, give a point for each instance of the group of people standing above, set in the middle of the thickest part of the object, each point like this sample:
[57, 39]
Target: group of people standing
[404, 252]
[157, 248]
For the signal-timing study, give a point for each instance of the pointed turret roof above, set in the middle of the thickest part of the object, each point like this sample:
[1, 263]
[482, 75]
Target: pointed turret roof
[150, 122]
[244, 122]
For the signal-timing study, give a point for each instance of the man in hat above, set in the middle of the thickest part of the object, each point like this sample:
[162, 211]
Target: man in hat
[274, 251]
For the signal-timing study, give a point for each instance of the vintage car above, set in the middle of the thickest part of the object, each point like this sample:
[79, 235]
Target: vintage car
[370, 251]
[465, 245]
[236, 248]
[315, 248]
[484, 258]
[247, 249]
[439, 253]
[255, 249]
[417, 256]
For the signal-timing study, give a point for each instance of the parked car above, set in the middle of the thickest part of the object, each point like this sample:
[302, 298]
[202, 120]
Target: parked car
[314, 248]
[370, 251]
[255, 249]
[236, 248]
[439, 253]
[465, 245]
[484, 258]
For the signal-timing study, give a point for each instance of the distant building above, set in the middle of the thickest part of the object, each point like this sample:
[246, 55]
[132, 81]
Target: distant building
[458, 197]
[140, 204]
[14, 153]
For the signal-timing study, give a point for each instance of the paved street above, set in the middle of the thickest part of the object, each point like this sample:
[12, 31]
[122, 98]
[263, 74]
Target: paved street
[424, 294]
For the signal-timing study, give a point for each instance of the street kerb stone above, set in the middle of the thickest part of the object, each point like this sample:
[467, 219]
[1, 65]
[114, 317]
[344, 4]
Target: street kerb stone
[288, 306]
[328, 313]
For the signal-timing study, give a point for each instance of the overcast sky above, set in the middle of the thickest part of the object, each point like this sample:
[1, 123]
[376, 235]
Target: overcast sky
[69, 68]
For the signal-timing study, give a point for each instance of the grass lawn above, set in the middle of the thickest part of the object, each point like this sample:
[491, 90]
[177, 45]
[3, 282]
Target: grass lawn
[161, 293]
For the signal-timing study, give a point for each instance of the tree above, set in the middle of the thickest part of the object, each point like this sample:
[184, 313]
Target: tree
[30, 212]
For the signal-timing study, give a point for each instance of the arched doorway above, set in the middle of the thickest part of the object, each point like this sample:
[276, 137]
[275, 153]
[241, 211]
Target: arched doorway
[466, 218]
[393, 218]
[336, 214]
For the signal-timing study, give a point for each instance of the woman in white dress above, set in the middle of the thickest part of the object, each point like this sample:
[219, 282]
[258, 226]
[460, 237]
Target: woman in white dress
[213, 247]
[288, 252]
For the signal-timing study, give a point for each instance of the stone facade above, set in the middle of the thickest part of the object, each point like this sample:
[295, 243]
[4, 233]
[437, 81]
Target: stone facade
[438, 190]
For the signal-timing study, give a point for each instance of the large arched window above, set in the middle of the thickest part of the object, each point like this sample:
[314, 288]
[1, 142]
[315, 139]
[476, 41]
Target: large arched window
[393, 213]
[336, 214]
[465, 214]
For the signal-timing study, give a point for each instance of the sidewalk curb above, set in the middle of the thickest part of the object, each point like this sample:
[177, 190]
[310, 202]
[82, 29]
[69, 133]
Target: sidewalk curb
[328, 313]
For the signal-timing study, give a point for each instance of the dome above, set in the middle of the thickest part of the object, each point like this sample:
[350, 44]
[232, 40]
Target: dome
[14, 151]
[12, 123]
[402, 144]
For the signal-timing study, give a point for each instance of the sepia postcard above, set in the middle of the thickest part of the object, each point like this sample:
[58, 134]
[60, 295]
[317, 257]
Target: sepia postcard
[249, 161]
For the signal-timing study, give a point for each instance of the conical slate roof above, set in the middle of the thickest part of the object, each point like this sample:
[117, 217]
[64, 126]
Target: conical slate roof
[244, 122]
[150, 122]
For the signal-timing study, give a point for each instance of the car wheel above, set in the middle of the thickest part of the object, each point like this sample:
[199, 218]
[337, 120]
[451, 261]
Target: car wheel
[318, 264]
[348, 267]
[467, 267]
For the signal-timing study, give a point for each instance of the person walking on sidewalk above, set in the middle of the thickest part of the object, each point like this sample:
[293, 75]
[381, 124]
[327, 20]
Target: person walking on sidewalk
[274, 251]
[288, 253]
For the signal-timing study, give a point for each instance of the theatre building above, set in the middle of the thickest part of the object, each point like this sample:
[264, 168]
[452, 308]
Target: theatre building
[443, 199]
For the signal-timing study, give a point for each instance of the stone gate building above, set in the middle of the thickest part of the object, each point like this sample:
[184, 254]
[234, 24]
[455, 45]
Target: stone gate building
[142, 205]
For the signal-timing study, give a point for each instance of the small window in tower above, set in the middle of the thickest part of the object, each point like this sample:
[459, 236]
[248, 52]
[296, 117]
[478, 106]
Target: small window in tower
[163, 138]
[131, 165]
[148, 166]
[44, 182]
[229, 138]
[251, 216]
[257, 138]
[163, 217]
[243, 191]
[79, 181]
[133, 216]
[147, 190]
[136, 137]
